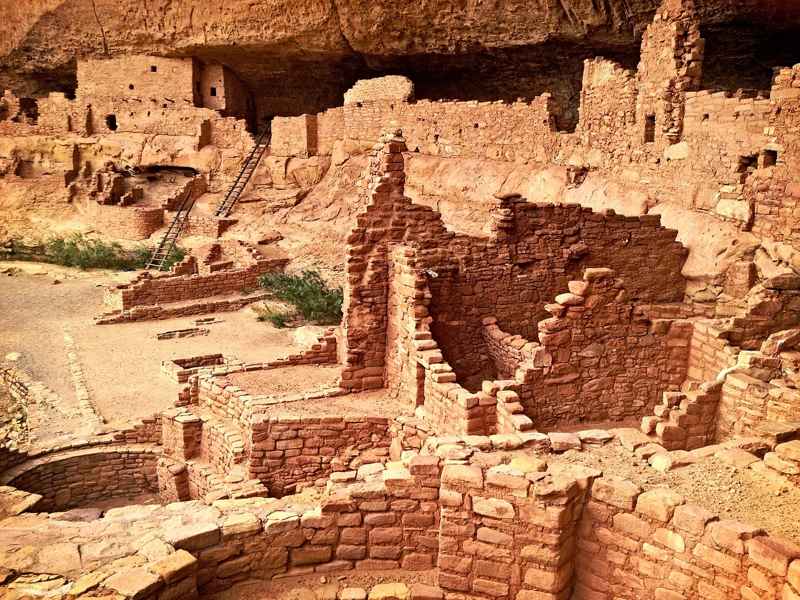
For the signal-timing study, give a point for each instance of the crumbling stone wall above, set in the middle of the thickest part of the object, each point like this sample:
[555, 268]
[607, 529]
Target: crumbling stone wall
[600, 358]
[670, 65]
[147, 290]
[775, 190]
[607, 110]
[535, 250]
[390, 218]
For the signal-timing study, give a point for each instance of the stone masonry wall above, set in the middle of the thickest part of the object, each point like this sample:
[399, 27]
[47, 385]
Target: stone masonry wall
[653, 546]
[390, 218]
[775, 190]
[128, 223]
[600, 358]
[508, 531]
[148, 290]
[288, 453]
[671, 65]
[535, 250]
[608, 104]
[79, 477]
[390, 87]
[172, 80]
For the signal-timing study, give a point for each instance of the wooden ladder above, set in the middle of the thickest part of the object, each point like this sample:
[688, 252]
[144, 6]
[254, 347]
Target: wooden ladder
[162, 252]
[249, 166]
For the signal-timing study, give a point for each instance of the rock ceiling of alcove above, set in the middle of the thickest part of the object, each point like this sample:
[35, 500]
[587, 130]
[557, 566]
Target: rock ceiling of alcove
[328, 39]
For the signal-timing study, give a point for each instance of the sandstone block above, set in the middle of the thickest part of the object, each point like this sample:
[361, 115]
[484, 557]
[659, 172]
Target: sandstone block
[176, 566]
[194, 536]
[134, 583]
[616, 492]
[658, 504]
[493, 507]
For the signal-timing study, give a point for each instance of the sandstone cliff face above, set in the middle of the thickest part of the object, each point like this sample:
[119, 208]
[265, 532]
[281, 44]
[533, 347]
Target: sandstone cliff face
[303, 55]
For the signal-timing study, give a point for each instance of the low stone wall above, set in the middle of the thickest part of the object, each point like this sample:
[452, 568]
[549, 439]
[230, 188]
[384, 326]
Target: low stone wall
[79, 477]
[288, 453]
[149, 313]
[151, 291]
[148, 431]
[180, 369]
[507, 531]
[506, 351]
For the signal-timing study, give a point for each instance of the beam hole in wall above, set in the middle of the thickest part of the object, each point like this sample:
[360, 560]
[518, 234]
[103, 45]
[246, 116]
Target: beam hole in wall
[649, 129]
[747, 163]
[130, 86]
[111, 122]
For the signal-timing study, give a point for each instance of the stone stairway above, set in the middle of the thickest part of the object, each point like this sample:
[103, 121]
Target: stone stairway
[685, 420]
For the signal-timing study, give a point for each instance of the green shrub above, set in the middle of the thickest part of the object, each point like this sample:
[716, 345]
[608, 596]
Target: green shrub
[309, 293]
[76, 250]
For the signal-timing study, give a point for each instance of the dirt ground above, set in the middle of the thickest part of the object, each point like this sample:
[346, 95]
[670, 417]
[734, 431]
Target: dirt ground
[304, 588]
[739, 494]
[364, 404]
[121, 363]
[287, 380]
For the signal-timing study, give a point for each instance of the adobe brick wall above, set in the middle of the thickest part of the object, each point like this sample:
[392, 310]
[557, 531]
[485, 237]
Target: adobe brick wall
[79, 477]
[652, 545]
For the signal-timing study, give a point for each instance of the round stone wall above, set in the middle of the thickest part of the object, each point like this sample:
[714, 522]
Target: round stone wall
[77, 478]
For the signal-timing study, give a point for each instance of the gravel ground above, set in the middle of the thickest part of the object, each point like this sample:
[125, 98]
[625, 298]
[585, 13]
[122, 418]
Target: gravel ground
[740, 494]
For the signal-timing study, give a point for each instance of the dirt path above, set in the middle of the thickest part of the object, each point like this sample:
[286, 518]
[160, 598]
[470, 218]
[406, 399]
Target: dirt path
[52, 328]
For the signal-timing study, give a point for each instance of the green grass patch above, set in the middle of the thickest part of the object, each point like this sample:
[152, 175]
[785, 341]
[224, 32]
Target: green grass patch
[76, 250]
[308, 293]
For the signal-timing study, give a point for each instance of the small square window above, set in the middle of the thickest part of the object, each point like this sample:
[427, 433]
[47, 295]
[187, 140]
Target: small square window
[213, 91]
[153, 69]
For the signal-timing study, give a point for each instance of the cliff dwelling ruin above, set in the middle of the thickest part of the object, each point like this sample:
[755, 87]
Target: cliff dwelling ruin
[327, 301]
